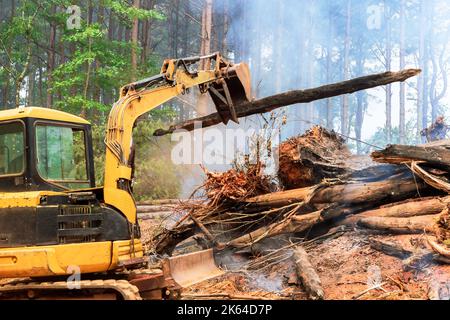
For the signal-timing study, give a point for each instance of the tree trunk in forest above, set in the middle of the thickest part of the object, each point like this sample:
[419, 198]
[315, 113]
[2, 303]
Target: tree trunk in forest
[310, 116]
[226, 22]
[202, 103]
[41, 86]
[345, 119]
[402, 124]
[420, 80]
[360, 99]
[21, 77]
[51, 59]
[134, 43]
[329, 64]
[294, 97]
[388, 55]
[359, 121]
[423, 61]
[31, 88]
[6, 88]
[278, 50]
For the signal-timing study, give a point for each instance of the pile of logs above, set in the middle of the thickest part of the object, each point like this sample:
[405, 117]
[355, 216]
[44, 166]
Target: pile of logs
[406, 194]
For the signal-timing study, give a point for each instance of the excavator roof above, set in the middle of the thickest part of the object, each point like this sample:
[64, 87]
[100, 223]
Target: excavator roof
[40, 113]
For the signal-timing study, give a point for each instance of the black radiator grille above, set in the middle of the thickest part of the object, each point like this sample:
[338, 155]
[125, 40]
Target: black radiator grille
[78, 224]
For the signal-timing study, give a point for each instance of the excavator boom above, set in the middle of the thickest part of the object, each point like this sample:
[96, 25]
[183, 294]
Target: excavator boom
[228, 85]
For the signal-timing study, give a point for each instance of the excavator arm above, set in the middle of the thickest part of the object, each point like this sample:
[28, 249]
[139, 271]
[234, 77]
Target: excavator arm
[227, 84]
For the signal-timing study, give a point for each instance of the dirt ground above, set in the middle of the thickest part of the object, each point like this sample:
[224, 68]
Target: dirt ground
[347, 266]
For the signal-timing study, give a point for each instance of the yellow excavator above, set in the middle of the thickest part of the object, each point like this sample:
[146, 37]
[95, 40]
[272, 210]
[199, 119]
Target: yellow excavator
[55, 224]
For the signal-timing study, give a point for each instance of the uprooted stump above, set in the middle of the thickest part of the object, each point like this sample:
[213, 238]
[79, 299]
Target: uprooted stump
[308, 159]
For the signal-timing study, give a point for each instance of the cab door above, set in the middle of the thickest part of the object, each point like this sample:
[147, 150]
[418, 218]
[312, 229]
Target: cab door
[13, 155]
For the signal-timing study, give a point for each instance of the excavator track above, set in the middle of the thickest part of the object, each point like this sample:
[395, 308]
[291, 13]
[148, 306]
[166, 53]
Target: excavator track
[87, 290]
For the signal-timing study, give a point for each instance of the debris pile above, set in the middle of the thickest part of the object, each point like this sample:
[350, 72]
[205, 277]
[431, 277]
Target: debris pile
[407, 194]
[237, 184]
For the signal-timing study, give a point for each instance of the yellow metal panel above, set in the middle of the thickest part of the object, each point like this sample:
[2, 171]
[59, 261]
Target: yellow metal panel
[40, 113]
[55, 260]
[23, 199]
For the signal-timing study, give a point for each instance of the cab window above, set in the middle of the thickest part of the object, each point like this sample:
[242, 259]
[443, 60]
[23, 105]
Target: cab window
[12, 148]
[61, 155]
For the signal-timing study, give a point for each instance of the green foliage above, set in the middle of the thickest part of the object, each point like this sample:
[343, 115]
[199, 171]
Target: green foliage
[123, 9]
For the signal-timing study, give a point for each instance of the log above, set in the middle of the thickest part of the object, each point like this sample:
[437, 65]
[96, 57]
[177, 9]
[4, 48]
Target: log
[156, 208]
[294, 97]
[440, 143]
[375, 192]
[390, 248]
[308, 275]
[405, 209]
[399, 225]
[410, 208]
[154, 215]
[439, 249]
[161, 202]
[346, 199]
[294, 224]
[350, 193]
[398, 154]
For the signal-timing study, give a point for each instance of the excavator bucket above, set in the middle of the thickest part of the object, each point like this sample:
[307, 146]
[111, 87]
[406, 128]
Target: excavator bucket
[189, 269]
[232, 90]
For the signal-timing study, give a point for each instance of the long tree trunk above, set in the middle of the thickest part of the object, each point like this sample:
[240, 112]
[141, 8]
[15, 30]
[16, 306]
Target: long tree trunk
[388, 68]
[6, 88]
[202, 104]
[226, 25]
[51, 59]
[360, 100]
[402, 124]
[345, 119]
[329, 64]
[31, 88]
[294, 97]
[134, 43]
[421, 80]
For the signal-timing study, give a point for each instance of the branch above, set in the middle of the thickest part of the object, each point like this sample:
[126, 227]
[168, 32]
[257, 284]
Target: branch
[297, 96]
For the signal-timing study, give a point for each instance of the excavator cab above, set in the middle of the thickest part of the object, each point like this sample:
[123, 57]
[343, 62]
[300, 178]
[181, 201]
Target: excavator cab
[44, 149]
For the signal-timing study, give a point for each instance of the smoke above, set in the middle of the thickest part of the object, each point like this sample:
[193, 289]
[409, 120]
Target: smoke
[295, 44]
